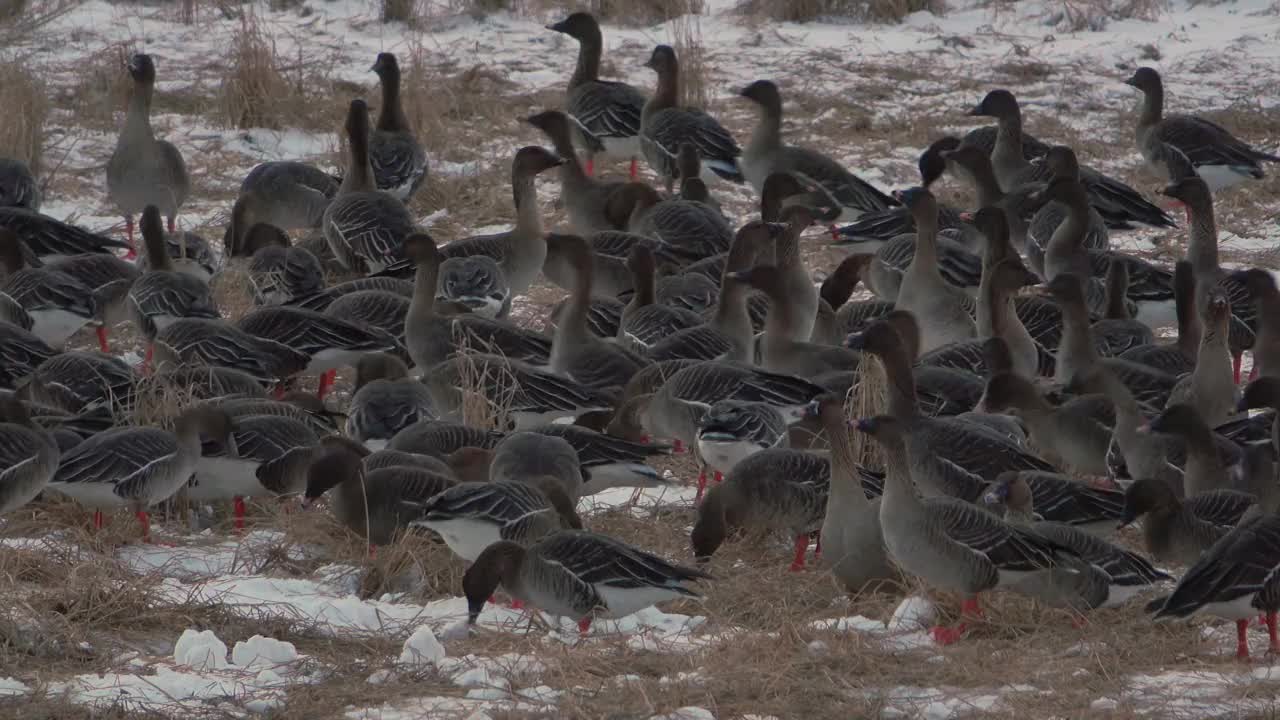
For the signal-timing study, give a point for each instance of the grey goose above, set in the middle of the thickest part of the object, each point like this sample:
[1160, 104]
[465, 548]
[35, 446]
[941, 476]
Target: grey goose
[398, 160]
[664, 126]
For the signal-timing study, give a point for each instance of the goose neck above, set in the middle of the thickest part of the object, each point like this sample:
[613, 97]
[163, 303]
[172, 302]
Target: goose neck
[844, 467]
[359, 176]
[528, 215]
[587, 70]
[1202, 241]
[392, 118]
[1151, 110]
[137, 119]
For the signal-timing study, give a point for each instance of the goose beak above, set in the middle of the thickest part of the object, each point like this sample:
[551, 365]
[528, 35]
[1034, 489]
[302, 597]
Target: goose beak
[554, 26]
[975, 111]
[1131, 82]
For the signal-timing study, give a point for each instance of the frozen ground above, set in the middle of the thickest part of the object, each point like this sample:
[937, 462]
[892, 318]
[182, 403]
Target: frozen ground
[293, 620]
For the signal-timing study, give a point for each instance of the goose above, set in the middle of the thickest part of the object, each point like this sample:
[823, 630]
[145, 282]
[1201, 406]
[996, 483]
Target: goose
[1058, 499]
[1263, 393]
[218, 343]
[1261, 286]
[28, 455]
[1065, 253]
[284, 193]
[948, 543]
[733, 430]
[939, 306]
[1175, 146]
[137, 466]
[523, 455]
[162, 295]
[265, 455]
[776, 489]
[1209, 387]
[109, 279]
[1112, 576]
[1116, 332]
[432, 337]
[837, 317]
[1180, 531]
[610, 249]
[20, 354]
[1003, 274]
[689, 169]
[689, 229]
[607, 461]
[439, 438]
[576, 574]
[385, 401]
[375, 309]
[954, 453]
[189, 253]
[766, 153]
[575, 352]
[18, 186]
[793, 277]
[79, 380]
[58, 304]
[470, 517]
[512, 389]
[1177, 357]
[940, 389]
[853, 544]
[1069, 435]
[779, 352]
[142, 170]
[587, 202]
[476, 282]
[886, 272]
[327, 342]
[48, 239]
[644, 321]
[323, 298]
[664, 126]
[278, 271]
[363, 227]
[606, 113]
[293, 406]
[1078, 353]
[204, 382]
[399, 163]
[1202, 252]
[1233, 579]
[374, 504]
[1205, 468]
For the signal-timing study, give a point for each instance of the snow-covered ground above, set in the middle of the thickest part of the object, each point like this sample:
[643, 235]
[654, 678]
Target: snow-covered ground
[872, 96]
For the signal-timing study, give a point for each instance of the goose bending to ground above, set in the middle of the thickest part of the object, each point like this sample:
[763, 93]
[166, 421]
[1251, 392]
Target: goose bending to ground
[110, 279]
[523, 455]
[606, 113]
[162, 295]
[472, 516]
[18, 186]
[20, 354]
[365, 228]
[78, 381]
[398, 160]
[374, 504]
[287, 194]
[278, 271]
[28, 455]
[1234, 579]
[1175, 146]
[440, 438]
[1182, 530]
[205, 382]
[137, 466]
[217, 343]
[766, 154]
[949, 543]
[664, 126]
[609, 462]
[142, 170]
[328, 342]
[385, 401]
[190, 253]
[1110, 575]
[322, 299]
[50, 239]
[58, 304]
[578, 575]
[264, 455]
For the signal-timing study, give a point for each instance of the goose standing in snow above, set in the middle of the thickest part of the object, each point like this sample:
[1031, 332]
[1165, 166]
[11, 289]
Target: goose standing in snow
[142, 170]
[606, 113]
[398, 160]
[576, 574]
[664, 126]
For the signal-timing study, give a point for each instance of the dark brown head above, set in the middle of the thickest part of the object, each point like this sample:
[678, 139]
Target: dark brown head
[1061, 161]
[142, 69]
[1147, 496]
[553, 123]
[379, 366]
[1008, 275]
[663, 61]
[997, 104]
[1008, 391]
[152, 227]
[387, 68]
[1066, 190]
[933, 161]
[640, 261]
[765, 94]
[1011, 491]
[1191, 190]
[1260, 283]
[922, 204]
[991, 222]
[886, 429]
[1181, 420]
[628, 421]
[1217, 308]
[629, 199]
[779, 190]
[206, 422]
[421, 248]
[842, 281]
[532, 159]
[498, 564]
[263, 235]
[717, 517]
[1261, 393]
[470, 464]
[883, 336]
[332, 467]
[1145, 79]
[580, 26]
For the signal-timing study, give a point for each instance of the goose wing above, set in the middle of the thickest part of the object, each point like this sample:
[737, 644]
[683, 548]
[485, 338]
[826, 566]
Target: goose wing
[20, 354]
[1008, 547]
[123, 457]
[310, 332]
[44, 289]
[1241, 563]
[818, 171]
[719, 152]
[46, 237]
[606, 109]
[600, 560]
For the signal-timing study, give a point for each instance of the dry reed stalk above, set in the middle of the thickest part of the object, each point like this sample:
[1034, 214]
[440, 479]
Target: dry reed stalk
[22, 133]
[868, 397]
[886, 11]
[254, 93]
[686, 37]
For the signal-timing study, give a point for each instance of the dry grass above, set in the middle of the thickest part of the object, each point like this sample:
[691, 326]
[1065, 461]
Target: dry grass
[686, 38]
[22, 132]
[255, 91]
[889, 11]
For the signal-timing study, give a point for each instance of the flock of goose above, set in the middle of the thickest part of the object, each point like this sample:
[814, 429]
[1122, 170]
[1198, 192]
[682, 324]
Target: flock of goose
[1007, 339]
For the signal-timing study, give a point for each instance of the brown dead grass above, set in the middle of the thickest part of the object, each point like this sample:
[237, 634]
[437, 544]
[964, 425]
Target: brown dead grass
[888, 11]
[22, 132]
[254, 91]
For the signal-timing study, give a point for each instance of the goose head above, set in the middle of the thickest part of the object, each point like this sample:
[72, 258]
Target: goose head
[470, 464]
[997, 104]
[332, 467]
[765, 94]
[1179, 419]
[1145, 79]
[1061, 161]
[379, 366]
[1007, 391]
[663, 61]
[532, 160]
[1190, 190]
[498, 564]
[580, 26]
[141, 68]
[475, 281]
[933, 161]
[1147, 496]
[387, 67]
[1011, 491]
[1261, 393]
